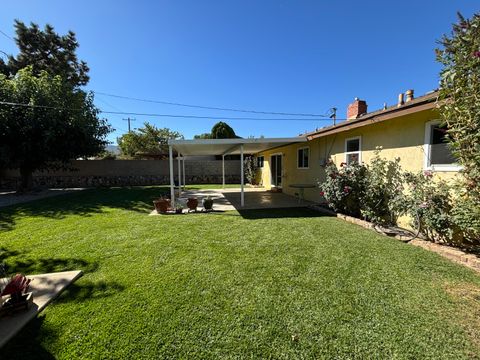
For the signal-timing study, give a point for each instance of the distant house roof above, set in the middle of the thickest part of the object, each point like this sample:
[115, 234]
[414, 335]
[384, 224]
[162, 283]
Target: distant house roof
[424, 102]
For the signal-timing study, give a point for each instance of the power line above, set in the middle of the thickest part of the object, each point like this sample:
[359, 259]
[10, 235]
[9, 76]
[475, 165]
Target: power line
[108, 104]
[166, 115]
[208, 107]
[6, 35]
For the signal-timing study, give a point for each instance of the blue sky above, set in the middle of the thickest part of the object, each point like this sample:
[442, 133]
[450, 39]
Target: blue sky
[281, 56]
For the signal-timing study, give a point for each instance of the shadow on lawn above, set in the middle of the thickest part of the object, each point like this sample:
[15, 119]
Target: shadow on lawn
[27, 343]
[30, 266]
[298, 212]
[83, 203]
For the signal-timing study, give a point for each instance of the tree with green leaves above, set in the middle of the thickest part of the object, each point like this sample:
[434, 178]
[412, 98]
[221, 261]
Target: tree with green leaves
[147, 142]
[203, 136]
[460, 110]
[56, 124]
[222, 130]
[46, 51]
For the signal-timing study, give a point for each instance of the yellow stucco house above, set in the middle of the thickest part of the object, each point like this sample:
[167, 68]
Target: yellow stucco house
[409, 130]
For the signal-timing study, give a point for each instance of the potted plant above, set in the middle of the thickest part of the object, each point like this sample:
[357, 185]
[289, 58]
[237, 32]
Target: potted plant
[179, 208]
[161, 205]
[15, 296]
[192, 204]
[207, 203]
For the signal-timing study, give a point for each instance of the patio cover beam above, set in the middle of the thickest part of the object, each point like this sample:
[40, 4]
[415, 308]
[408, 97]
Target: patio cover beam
[232, 149]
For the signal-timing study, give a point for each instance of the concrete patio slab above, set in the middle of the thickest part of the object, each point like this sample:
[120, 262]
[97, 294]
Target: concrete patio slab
[45, 288]
[255, 198]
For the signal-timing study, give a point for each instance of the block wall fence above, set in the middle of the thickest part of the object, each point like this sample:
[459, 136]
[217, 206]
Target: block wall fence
[93, 173]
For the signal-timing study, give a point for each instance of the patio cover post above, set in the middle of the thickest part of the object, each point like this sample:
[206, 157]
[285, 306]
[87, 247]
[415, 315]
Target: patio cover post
[183, 162]
[223, 171]
[242, 195]
[179, 175]
[172, 182]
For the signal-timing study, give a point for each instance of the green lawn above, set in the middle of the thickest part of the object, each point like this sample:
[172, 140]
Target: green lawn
[231, 285]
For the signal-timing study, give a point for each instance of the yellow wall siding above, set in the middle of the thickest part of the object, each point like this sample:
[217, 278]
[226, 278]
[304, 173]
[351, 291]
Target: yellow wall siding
[401, 137]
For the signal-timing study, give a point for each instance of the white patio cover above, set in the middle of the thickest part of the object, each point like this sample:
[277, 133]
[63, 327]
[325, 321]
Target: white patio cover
[224, 147]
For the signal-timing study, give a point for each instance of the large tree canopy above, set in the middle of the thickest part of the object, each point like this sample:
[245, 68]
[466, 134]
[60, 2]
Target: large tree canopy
[147, 142]
[220, 130]
[57, 123]
[46, 50]
[460, 109]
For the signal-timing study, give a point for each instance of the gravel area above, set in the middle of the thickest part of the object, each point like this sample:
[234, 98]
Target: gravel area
[11, 198]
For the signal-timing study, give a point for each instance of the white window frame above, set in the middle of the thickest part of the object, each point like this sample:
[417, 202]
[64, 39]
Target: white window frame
[298, 151]
[359, 138]
[263, 161]
[427, 149]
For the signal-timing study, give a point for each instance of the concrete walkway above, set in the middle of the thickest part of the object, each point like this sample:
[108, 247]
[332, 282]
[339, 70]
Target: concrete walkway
[255, 198]
[8, 198]
[45, 288]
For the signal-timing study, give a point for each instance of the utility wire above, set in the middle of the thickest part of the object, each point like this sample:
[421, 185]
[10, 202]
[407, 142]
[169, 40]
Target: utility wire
[6, 35]
[208, 107]
[164, 115]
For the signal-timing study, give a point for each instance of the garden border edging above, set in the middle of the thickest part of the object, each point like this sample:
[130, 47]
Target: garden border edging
[449, 252]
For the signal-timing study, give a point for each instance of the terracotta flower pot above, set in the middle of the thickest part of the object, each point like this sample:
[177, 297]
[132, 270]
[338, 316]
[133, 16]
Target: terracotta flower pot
[161, 205]
[192, 204]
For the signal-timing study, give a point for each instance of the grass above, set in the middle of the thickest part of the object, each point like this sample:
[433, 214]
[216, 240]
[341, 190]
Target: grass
[257, 284]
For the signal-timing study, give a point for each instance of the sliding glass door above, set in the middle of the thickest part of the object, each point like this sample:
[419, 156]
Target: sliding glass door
[276, 169]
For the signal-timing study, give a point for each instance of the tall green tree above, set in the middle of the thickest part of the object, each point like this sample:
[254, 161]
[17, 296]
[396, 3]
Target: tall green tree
[146, 142]
[460, 110]
[46, 51]
[222, 130]
[56, 124]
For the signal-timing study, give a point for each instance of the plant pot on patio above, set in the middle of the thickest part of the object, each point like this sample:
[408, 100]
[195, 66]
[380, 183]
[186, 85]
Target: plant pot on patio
[14, 295]
[161, 205]
[16, 303]
[192, 204]
[207, 203]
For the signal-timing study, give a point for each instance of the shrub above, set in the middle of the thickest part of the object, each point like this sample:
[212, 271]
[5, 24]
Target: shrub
[460, 110]
[343, 187]
[383, 200]
[429, 204]
[250, 168]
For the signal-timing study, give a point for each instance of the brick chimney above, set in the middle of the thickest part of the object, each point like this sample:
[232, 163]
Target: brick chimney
[357, 108]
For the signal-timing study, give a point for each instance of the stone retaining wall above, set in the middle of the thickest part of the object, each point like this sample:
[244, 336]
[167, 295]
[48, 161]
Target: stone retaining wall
[92, 173]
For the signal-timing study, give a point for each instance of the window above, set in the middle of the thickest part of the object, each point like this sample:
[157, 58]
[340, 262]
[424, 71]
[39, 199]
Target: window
[353, 150]
[260, 160]
[302, 158]
[438, 155]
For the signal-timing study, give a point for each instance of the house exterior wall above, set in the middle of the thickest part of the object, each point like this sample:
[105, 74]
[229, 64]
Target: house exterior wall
[401, 137]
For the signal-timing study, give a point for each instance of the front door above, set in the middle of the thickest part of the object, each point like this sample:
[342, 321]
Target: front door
[276, 169]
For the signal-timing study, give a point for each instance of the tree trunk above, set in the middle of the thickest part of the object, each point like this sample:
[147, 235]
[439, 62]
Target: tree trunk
[26, 179]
